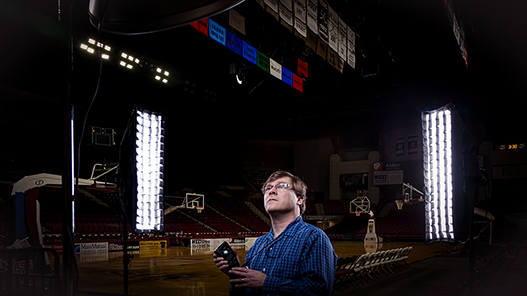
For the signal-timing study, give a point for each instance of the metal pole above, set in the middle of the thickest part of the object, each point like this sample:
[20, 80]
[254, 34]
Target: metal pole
[126, 259]
[66, 62]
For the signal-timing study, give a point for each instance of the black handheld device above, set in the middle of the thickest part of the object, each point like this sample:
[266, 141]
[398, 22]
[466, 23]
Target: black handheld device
[225, 251]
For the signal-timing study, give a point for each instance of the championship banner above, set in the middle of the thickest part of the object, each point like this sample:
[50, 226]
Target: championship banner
[341, 64]
[237, 21]
[298, 83]
[300, 17]
[333, 29]
[272, 4]
[272, 8]
[285, 10]
[249, 52]
[311, 40]
[234, 43]
[312, 16]
[342, 39]
[412, 144]
[201, 26]
[287, 76]
[399, 146]
[263, 62]
[302, 68]
[322, 48]
[217, 32]
[351, 48]
[275, 69]
[333, 58]
[323, 20]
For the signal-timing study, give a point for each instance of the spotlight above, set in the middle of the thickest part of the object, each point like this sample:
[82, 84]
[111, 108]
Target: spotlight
[240, 78]
[141, 171]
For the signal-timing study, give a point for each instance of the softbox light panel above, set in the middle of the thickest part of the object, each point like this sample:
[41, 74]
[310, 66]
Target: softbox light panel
[449, 172]
[141, 163]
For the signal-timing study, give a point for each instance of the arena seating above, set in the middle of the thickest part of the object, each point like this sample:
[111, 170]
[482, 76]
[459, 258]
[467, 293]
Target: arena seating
[402, 225]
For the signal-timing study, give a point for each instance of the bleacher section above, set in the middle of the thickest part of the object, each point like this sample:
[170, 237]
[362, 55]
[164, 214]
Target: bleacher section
[225, 215]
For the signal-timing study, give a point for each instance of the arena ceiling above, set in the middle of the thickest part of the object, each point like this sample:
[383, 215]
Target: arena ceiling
[408, 60]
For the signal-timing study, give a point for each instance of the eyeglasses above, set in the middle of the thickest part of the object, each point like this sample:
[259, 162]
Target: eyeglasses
[279, 187]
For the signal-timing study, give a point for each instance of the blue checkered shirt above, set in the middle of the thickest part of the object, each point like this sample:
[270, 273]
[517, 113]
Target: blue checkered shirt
[300, 261]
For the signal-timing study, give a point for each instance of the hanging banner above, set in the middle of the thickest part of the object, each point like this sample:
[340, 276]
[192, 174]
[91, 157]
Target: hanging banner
[234, 43]
[285, 9]
[202, 26]
[275, 69]
[341, 65]
[351, 48]
[302, 68]
[322, 48]
[263, 62]
[323, 20]
[333, 58]
[237, 21]
[412, 144]
[287, 76]
[342, 39]
[399, 146]
[312, 16]
[333, 29]
[217, 32]
[272, 4]
[300, 17]
[298, 83]
[249, 52]
[311, 40]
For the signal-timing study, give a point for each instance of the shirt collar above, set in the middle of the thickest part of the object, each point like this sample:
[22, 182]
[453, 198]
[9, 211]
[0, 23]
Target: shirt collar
[286, 230]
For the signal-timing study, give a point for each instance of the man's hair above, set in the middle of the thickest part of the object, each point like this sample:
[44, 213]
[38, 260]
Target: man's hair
[299, 186]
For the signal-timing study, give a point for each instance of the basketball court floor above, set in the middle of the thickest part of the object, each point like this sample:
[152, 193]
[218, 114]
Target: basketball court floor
[182, 271]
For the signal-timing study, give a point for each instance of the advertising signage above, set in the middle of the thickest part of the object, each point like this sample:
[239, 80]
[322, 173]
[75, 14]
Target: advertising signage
[354, 181]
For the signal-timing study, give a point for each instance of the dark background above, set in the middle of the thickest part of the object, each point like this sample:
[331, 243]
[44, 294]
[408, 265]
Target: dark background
[411, 63]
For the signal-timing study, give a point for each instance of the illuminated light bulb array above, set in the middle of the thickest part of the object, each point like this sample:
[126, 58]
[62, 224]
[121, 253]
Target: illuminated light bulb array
[161, 73]
[91, 50]
[128, 61]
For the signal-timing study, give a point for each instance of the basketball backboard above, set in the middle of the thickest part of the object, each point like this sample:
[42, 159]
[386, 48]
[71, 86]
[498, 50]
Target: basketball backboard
[195, 201]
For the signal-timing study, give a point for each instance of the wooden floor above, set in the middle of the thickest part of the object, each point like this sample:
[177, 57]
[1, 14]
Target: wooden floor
[180, 271]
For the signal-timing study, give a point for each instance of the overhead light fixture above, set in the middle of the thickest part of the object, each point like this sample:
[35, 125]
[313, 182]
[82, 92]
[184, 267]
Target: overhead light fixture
[240, 78]
[141, 171]
[449, 163]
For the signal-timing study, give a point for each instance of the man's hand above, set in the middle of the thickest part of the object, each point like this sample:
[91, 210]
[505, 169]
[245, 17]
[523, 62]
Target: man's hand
[247, 278]
[223, 264]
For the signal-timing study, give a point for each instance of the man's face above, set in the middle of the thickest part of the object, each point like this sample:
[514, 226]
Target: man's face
[280, 201]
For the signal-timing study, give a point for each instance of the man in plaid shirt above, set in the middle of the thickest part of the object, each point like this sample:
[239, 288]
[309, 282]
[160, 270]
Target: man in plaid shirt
[294, 258]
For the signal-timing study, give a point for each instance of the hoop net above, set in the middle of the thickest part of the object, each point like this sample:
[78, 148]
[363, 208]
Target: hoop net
[399, 204]
[198, 209]
[358, 213]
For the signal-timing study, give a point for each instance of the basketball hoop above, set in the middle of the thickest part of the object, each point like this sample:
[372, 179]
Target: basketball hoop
[399, 204]
[199, 209]
[358, 213]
